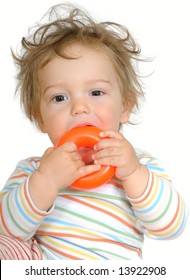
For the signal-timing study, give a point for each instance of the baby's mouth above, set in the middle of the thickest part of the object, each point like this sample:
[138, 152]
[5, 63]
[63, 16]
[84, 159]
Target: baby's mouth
[86, 154]
[84, 124]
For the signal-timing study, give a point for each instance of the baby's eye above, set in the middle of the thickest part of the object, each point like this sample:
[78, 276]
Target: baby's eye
[60, 98]
[97, 93]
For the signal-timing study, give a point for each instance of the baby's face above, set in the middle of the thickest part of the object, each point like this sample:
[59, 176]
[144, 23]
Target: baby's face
[78, 92]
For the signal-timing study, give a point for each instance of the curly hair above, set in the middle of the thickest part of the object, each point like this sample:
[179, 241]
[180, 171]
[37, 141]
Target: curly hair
[66, 25]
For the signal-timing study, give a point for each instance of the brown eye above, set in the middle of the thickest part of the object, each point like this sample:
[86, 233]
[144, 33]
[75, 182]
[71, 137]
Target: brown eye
[60, 98]
[97, 93]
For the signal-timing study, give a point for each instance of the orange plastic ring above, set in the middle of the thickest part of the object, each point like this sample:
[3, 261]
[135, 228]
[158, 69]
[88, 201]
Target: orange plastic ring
[87, 136]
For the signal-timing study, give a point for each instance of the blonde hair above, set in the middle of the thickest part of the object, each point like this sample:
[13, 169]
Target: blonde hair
[50, 39]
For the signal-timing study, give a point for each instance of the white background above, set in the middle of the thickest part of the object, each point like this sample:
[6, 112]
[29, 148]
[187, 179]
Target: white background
[162, 30]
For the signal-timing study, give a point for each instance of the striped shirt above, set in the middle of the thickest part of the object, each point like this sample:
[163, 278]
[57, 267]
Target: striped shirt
[98, 224]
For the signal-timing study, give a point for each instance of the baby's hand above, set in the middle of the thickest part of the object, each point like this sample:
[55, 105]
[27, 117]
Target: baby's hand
[116, 151]
[63, 165]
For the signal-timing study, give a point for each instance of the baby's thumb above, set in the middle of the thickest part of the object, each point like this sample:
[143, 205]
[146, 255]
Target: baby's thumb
[48, 151]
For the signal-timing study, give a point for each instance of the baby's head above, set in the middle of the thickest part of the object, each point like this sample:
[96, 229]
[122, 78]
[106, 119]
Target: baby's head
[75, 27]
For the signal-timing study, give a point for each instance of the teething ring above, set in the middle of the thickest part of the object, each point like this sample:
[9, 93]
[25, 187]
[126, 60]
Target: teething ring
[87, 136]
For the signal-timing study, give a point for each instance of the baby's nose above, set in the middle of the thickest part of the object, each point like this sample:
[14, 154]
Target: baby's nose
[80, 107]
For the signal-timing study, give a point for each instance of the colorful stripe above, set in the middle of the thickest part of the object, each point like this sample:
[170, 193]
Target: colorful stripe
[98, 224]
[14, 249]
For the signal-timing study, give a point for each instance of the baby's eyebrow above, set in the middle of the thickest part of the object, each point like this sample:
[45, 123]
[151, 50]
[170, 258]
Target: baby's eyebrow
[99, 81]
[51, 86]
[91, 81]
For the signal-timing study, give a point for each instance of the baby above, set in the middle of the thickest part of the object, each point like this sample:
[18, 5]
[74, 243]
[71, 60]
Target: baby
[73, 72]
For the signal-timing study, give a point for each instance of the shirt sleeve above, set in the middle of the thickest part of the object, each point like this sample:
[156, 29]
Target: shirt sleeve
[19, 217]
[161, 211]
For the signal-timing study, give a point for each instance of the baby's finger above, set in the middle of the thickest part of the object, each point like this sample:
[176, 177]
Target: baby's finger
[106, 143]
[110, 134]
[111, 160]
[107, 152]
[68, 147]
[76, 156]
[87, 169]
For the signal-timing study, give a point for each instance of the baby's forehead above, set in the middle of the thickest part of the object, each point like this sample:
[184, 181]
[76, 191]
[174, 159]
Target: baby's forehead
[100, 51]
[76, 48]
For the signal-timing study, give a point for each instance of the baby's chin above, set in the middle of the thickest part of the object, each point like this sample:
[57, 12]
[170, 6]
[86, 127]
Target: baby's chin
[86, 154]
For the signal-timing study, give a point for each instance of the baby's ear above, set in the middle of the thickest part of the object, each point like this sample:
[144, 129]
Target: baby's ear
[125, 114]
[42, 127]
[41, 124]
